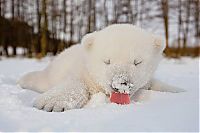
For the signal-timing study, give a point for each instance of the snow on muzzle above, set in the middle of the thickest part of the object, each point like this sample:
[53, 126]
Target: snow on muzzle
[121, 83]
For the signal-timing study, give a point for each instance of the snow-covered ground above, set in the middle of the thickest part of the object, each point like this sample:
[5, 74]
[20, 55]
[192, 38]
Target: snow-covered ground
[161, 112]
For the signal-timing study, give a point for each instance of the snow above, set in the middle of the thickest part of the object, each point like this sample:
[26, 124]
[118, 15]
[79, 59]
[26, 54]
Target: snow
[162, 111]
[118, 83]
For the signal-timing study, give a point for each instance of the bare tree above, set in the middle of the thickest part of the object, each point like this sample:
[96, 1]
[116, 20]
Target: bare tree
[71, 23]
[18, 8]
[91, 16]
[44, 28]
[54, 30]
[187, 21]
[13, 9]
[1, 7]
[165, 11]
[179, 26]
[38, 14]
[124, 12]
[197, 18]
[64, 16]
[105, 12]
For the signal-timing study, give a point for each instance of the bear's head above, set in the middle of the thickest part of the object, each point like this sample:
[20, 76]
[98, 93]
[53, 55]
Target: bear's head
[122, 57]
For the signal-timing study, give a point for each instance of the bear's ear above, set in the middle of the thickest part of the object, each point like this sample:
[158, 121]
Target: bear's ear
[88, 40]
[159, 43]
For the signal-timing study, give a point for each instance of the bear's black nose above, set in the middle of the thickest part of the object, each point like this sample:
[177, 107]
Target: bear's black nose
[125, 83]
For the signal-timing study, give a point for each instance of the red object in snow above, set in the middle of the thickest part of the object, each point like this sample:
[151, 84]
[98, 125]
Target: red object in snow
[120, 98]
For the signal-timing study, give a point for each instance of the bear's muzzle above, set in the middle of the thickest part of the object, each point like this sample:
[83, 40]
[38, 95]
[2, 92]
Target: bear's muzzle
[121, 83]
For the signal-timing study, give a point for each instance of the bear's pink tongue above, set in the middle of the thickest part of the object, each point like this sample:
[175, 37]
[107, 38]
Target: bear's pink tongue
[120, 98]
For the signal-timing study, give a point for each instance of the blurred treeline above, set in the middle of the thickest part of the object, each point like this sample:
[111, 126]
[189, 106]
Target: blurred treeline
[41, 27]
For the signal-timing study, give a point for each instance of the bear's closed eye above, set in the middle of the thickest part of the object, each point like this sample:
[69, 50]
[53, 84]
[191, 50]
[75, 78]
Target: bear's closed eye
[136, 62]
[107, 62]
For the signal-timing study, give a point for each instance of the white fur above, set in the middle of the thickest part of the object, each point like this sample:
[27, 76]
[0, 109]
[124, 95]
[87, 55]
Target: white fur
[95, 65]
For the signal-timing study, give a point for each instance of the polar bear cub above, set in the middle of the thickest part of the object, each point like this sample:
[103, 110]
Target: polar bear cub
[120, 57]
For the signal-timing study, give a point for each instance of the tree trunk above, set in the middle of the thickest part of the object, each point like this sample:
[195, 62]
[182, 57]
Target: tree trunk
[141, 12]
[0, 7]
[164, 6]
[5, 47]
[197, 12]
[105, 12]
[38, 45]
[14, 51]
[65, 19]
[13, 9]
[3, 8]
[179, 27]
[185, 39]
[65, 22]
[44, 29]
[71, 24]
[89, 16]
[13, 43]
[18, 8]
